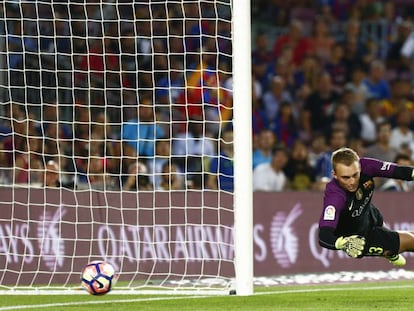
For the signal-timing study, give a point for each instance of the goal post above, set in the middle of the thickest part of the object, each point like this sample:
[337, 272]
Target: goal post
[125, 136]
[243, 196]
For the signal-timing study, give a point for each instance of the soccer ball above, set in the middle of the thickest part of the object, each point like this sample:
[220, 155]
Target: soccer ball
[98, 277]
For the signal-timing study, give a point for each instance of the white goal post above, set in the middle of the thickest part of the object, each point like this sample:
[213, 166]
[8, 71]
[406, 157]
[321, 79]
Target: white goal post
[125, 136]
[243, 196]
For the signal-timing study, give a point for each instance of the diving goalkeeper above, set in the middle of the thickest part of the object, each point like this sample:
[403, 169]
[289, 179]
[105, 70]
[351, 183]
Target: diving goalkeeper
[349, 221]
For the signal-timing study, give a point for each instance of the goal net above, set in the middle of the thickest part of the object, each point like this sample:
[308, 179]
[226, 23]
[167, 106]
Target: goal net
[118, 142]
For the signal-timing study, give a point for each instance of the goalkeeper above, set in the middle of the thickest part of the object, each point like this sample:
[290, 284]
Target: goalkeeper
[349, 221]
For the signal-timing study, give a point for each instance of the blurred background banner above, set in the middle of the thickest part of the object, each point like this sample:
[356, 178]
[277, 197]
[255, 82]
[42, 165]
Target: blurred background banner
[48, 228]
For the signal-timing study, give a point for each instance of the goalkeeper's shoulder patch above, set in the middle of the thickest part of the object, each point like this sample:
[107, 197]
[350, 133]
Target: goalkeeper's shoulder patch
[329, 213]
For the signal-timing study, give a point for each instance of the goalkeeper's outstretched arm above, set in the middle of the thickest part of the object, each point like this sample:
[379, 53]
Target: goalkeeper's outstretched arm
[353, 245]
[327, 237]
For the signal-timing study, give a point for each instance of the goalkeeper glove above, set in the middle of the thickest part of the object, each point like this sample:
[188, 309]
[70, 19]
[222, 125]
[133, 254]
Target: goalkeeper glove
[353, 245]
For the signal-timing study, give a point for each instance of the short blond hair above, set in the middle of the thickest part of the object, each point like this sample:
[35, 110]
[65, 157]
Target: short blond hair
[345, 156]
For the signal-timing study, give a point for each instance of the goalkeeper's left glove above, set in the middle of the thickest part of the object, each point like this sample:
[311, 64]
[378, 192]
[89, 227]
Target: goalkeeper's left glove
[353, 245]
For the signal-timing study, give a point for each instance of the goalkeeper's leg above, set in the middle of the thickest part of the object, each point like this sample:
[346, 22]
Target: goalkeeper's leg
[406, 239]
[390, 244]
[406, 244]
[387, 243]
[397, 260]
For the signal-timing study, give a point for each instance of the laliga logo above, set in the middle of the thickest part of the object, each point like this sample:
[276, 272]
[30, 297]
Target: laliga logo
[52, 248]
[283, 239]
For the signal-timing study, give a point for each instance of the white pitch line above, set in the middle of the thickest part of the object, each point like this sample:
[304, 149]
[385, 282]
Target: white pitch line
[289, 291]
[333, 289]
[68, 304]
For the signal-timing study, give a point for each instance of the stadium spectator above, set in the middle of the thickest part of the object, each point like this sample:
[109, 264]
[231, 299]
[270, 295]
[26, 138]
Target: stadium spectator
[359, 90]
[170, 86]
[401, 133]
[321, 40]
[191, 146]
[53, 114]
[372, 52]
[103, 129]
[323, 169]
[398, 185]
[260, 71]
[23, 148]
[343, 118]
[99, 164]
[52, 171]
[80, 144]
[141, 131]
[221, 173]
[376, 82]
[401, 98]
[397, 59]
[369, 121]
[285, 125]
[6, 171]
[308, 73]
[296, 40]
[301, 97]
[284, 68]
[96, 65]
[272, 13]
[407, 49]
[353, 45]
[219, 110]
[200, 97]
[264, 144]
[56, 141]
[261, 53]
[15, 141]
[353, 36]
[270, 176]
[340, 10]
[337, 67]
[320, 105]
[155, 164]
[317, 147]
[95, 152]
[300, 173]
[129, 49]
[19, 40]
[194, 29]
[137, 178]
[357, 145]
[259, 118]
[28, 164]
[382, 148]
[171, 179]
[62, 42]
[273, 98]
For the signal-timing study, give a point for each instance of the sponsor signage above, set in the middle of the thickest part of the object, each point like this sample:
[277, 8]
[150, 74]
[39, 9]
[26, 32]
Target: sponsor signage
[59, 231]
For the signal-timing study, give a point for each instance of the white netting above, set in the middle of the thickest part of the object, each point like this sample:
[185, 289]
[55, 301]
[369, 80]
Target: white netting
[116, 141]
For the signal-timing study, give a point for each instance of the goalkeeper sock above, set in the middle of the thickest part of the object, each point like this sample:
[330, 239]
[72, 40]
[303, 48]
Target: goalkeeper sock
[397, 260]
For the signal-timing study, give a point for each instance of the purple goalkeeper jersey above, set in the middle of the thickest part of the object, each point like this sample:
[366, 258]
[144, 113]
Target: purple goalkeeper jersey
[352, 212]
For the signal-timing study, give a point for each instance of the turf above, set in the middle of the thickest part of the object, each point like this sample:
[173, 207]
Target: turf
[362, 296]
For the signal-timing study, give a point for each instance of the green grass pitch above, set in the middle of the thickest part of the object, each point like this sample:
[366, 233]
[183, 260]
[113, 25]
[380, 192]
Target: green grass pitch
[389, 295]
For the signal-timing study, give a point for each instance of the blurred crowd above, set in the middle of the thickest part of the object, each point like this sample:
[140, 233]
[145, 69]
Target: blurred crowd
[337, 73]
[129, 95]
[146, 103]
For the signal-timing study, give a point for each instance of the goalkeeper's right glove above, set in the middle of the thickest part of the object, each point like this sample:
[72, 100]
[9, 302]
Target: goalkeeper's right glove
[353, 245]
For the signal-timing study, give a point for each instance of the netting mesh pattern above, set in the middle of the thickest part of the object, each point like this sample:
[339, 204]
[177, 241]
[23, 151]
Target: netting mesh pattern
[115, 139]
[96, 87]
